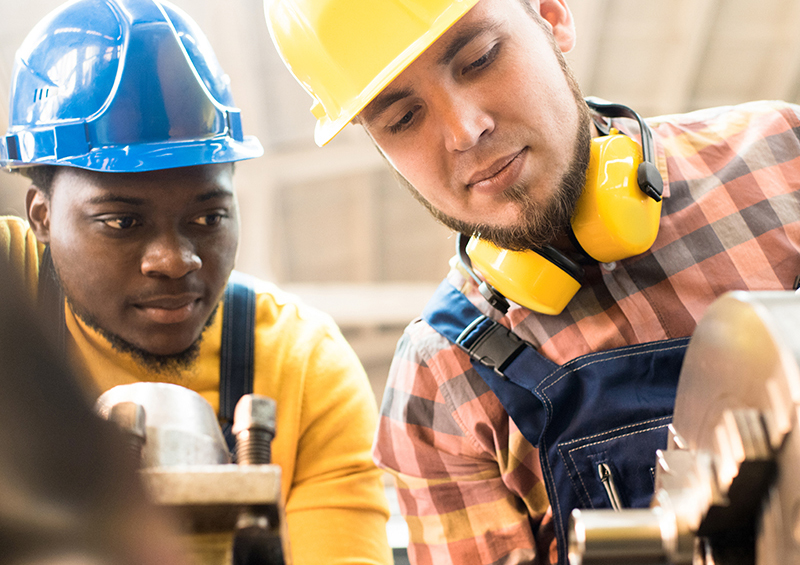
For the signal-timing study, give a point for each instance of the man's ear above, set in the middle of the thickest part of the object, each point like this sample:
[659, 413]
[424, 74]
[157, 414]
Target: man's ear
[558, 15]
[37, 204]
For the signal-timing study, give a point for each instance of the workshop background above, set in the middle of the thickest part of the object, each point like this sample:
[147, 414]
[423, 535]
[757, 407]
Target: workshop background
[333, 226]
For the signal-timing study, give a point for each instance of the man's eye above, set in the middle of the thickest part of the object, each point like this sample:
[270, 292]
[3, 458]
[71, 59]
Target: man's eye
[483, 61]
[209, 220]
[402, 122]
[122, 223]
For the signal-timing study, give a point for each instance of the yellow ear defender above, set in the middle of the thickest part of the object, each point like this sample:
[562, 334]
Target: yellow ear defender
[616, 216]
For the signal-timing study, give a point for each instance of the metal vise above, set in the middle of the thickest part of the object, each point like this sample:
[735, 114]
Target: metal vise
[727, 486]
[231, 513]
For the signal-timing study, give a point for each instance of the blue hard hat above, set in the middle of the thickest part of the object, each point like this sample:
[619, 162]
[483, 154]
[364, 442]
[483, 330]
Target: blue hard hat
[121, 86]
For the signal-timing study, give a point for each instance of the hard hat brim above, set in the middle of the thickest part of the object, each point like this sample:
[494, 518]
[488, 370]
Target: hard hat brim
[327, 128]
[148, 156]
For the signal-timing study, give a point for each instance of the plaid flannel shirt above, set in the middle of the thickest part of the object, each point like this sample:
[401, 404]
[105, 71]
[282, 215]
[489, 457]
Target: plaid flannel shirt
[469, 484]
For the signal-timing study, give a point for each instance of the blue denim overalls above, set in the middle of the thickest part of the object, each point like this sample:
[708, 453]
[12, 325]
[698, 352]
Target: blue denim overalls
[596, 420]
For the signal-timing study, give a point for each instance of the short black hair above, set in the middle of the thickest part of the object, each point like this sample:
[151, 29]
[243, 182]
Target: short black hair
[41, 176]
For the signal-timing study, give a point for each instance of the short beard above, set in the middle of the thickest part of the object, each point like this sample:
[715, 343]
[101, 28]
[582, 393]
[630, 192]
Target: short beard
[539, 225]
[173, 364]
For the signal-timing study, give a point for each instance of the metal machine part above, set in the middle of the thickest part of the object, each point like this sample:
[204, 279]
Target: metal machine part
[130, 418]
[259, 529]
[231, 513]
[181, 426]
[254, 428]
[726, 486]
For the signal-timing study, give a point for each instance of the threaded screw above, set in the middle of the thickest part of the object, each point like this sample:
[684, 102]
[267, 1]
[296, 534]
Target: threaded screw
[254, 428]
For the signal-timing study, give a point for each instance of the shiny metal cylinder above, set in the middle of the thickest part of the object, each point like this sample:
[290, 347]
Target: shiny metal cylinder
[606, 537]
[181, 426]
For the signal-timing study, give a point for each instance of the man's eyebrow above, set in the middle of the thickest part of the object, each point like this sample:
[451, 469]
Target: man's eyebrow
[211, 194]
[383, 100]
[116, 199]
[463, 37]
[133, 201]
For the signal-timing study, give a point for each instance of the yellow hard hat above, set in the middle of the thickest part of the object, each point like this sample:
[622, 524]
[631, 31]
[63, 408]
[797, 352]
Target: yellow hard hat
[345, 52]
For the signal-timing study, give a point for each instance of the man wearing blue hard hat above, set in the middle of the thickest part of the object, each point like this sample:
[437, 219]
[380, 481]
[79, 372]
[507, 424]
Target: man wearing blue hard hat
[123, 120]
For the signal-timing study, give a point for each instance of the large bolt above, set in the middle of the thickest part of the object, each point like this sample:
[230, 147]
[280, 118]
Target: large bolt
[258, 538]
[254, 428]
[130, 418]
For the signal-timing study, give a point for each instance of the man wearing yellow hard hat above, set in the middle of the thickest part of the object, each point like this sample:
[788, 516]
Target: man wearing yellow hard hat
[541, 376]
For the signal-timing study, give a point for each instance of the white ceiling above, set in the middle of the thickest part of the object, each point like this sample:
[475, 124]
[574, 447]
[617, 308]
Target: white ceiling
[659, 56]
[665, 56]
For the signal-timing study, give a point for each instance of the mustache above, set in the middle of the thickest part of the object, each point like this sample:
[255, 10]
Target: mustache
[166, 290]
[540, 224]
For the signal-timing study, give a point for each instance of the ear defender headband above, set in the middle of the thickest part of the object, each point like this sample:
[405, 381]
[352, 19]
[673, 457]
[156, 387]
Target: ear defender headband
[617, 216]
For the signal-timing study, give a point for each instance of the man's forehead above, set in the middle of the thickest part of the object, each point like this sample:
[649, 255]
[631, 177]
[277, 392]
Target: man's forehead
[200, 179]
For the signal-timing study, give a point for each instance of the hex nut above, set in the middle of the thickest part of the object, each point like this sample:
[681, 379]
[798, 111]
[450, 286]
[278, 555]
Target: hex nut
[254, 412]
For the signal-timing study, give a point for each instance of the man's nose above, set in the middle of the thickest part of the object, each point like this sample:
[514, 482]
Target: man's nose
[170, 255]
[464, 122]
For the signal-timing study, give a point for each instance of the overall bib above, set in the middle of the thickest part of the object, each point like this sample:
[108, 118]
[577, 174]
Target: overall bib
[596, 420]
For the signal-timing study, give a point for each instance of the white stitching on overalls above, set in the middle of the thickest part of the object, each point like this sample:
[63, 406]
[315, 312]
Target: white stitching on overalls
[575, 465]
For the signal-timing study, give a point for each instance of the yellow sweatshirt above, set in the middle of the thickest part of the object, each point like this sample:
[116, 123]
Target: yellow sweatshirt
[326, 415]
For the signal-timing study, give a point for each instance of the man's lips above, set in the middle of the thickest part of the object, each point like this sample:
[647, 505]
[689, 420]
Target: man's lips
[169, 309]
[499, 175]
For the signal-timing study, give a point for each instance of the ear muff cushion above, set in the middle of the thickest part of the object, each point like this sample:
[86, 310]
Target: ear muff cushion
[614, 219]
[526, 277]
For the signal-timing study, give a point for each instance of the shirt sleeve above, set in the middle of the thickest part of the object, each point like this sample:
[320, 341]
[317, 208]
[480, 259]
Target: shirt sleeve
[337, 509]
[466, 478]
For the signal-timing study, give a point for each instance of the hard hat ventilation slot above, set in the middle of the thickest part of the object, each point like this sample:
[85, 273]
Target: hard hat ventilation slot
[40, 94]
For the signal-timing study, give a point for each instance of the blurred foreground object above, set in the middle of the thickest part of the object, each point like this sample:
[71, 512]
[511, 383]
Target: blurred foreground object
[727, 487]
[230, 512]
[68, 490]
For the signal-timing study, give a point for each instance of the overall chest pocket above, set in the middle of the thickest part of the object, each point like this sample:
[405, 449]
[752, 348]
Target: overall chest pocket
[615, 469]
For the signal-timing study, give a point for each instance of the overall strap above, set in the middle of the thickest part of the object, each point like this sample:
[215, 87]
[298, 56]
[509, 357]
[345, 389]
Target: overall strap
[502, 359]
[237, 353]
[50, 300]
[608, 409]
